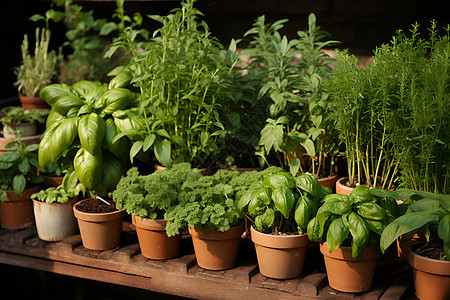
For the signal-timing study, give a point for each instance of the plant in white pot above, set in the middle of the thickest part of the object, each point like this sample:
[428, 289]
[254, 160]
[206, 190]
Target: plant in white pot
[15, 118]
[280, 207]
[53, 210]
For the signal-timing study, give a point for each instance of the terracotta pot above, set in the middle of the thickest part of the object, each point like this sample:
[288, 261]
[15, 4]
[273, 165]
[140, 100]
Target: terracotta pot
[347, 274]
[16, 212]
[99, 231]
[204, 171]
[403, 246]
[27, 129]
[54, 221]
[33, 102]
[216, 250]
[431, 277]
[341, 188]
[52, 180]
[329, 181]
[280, 257]
[28, 140]
[153, 240]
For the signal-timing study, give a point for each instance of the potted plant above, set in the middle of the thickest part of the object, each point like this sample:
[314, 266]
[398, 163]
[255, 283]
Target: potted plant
[53, 210]
[17, 118]
[18, 180]
[298, 130]
[37, 71]
[179, 110]
[280, 207]
[147, 198]
[349, 228]
[430, 214]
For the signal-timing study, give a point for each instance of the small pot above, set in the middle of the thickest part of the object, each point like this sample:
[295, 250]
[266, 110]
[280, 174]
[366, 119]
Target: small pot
[216, 250]
[16, 212]
[341, 188]
[280, 257]
[54, 221]
[329, 181]
[52, 180]
[153, 240]
[431, 276]
[33, 102]
[28, 140]
[99, 231]
[27, 129]
[347, 274]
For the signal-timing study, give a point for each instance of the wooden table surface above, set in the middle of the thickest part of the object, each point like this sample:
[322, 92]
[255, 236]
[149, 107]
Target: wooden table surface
[181, 276]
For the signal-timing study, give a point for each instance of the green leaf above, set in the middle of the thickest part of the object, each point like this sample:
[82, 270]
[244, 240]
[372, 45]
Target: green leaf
[309, 147]
[337, 233]
[272, 136]
[61, 98]
[336, 207]
[361, 194]
[204, 136]
[372, 211]
[115, 99]
[358, 229]
[310, 184]
[277, 180]
[112, 172]
[294, 166]
[444, 229]
[148, 142]
[305, 209]
[137, 146]
[19, 183]
[162, 152]
[404, 224]
[32, 147]
[24, 166]
[10, 157]
[119, 146]
[284, 200]
[250, 194]
[89, 168]
[264, 221]
[91, 131]
[107, 28]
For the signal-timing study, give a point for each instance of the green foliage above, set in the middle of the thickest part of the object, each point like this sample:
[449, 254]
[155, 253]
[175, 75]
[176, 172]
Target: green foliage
[69, 189]
[427, 213]
[17, 114]
[18, 167]
[182, 82]
[356, 220]
[83, 128]
[279, 202]
[40, 69]
[299, 130]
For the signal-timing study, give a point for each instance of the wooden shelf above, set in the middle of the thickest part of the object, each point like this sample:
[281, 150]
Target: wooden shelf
[183, 277]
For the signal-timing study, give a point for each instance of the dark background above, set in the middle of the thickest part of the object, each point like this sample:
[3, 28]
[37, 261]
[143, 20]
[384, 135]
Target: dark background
[360, 25]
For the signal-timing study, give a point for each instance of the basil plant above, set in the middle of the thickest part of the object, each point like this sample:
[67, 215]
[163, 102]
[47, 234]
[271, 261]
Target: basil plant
[281, 203]
[355, 220]
[80, 124]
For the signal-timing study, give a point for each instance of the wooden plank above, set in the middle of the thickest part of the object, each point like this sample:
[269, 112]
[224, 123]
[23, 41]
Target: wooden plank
[125, 254]
[66, 246]
[182, 264]
[311, 284]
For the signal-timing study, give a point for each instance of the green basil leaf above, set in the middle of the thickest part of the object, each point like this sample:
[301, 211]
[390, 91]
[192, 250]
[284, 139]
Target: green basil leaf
[61, 98]
[88, 168]
[250, 194]
[444, 229]
[19, 183]
[53, 117]
[121, 80]
[276, 180]
[358, 229]
[310, 184]
[163, 152]
[112, 172]
[264, 221]
[91, 131]
[117, 147]
[305, 209]
[335, 206]
[337, 233]
[372, 211]
[115, 99]
[361, 194]
[284, 200]
[84, 87]
[375, 226]
[137, 146]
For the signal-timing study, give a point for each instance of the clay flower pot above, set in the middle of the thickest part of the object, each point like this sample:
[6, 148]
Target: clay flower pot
[329, 181]
[341, 188]
[52, 180]
[33, 102]
[153, 240]
[431, 277]
[16, 212]
[28, 140]
[99, 231]
[27, 129]
[347, 274]
[280, 257]
[54, 221]
[216, 250]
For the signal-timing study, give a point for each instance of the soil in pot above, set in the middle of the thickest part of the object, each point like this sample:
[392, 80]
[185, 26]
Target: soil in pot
[216, 250]
[100, 224]
[347, 274]
[431, 276]
[280, 256]
[153, 240]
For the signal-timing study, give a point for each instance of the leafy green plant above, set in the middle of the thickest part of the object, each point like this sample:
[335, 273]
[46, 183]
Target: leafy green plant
[81, 122]
[70, 188]
[418, 123]
[281, 203]
[356, 220]
[17, 167]
[427, 213]
[40, 69]
[299, 131]
[17, 114]
[181, 81]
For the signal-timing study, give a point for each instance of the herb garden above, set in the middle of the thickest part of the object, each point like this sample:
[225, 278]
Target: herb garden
[268, 167]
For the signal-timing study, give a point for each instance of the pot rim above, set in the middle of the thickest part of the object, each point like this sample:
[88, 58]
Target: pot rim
[428, 265]
[97, 217]
[25, 195]
[279, 241]
[214, 234]
[149, 224]
[345, 253]
[73, 201]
